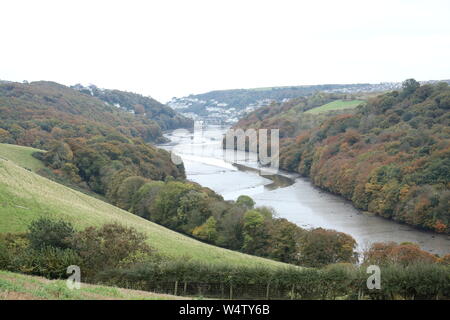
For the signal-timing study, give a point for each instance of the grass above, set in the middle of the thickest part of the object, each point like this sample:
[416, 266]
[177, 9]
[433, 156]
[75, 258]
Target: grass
[14, 286]
[26, 196]
[336, 105]
[22, 156]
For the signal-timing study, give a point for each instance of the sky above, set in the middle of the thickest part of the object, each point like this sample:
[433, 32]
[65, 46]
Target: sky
[173, 48]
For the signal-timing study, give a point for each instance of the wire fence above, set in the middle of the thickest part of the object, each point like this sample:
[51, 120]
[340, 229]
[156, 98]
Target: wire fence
[268, 291]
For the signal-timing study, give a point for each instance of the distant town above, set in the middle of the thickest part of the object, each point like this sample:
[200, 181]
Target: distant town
[222, 107]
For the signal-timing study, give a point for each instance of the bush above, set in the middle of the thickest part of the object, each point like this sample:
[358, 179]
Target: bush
[108, 247]
[11, 245]
[48, 262]
[415, 281]
[4, 257]
[46, 232]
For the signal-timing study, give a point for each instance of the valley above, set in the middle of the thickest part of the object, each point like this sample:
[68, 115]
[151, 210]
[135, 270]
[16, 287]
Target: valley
[26, 196]
[294, 198]
[93, 177]
[257, 153]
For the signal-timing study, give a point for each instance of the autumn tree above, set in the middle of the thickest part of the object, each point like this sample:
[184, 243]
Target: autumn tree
[381, 253]
[321, 247]
[207, 231]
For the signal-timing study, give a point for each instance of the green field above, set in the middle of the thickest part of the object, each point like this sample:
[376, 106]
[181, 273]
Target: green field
[14, 286]
[336, 105]
[25, 196]
[22, 156]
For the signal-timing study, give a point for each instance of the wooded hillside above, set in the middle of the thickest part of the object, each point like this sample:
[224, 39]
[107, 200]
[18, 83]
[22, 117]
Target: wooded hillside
[391, 157]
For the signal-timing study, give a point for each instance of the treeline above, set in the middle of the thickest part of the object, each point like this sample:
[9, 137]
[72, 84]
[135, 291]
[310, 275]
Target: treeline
[119, 256]
[132, 178]
[148, 107]
[391, 157]
[199, 212]
[101, 163]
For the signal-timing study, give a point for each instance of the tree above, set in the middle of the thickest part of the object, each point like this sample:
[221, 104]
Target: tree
[127, 189]
[166, 207]
[246, 202]
[108, 246]
[407, 253]
[207, 231]
[144, 198]
[230, 228]
[5, 137]
[320, 247]
[255, 233]
[192, 210]
[410, 86]
[59, 153]
[284, 240]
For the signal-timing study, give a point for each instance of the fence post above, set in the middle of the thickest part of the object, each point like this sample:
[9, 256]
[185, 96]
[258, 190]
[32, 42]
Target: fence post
[176, 288]
[231, 292]
[267, 290]
[185, 287]
[292, 292]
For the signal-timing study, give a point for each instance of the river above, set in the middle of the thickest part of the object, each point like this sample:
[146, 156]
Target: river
[293, 197]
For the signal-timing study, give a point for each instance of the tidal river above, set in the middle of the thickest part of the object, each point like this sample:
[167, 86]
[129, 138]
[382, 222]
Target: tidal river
[292, 197]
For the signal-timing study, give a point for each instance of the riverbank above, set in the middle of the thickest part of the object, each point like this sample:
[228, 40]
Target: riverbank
[299, 202]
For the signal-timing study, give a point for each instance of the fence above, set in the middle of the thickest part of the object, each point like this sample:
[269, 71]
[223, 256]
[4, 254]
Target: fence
[415, 282]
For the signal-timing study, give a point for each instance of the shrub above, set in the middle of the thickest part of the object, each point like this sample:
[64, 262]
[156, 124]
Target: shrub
[4, 256]
[48, 262]
[45, 232]
[108, 246]
[415, 281]
[11, 245]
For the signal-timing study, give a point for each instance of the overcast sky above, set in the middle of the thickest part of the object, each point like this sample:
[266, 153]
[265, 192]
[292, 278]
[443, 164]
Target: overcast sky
[173, 48]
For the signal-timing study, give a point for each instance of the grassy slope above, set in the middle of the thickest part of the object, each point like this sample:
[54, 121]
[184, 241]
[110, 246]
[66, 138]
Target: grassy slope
[14, 286]
[21, 156]
[336, 105]
[25, 196]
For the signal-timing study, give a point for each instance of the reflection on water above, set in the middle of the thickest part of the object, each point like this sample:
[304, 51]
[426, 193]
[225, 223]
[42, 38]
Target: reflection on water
[292, 197]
